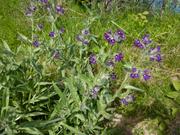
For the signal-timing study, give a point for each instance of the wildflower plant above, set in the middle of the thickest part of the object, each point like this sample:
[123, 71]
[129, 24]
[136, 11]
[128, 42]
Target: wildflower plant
[71, 80]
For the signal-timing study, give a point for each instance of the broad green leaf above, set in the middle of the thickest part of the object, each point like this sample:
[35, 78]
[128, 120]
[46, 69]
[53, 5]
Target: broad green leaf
[6, 46]
[127, 86]
[145, 13]
[176, 83]
[39, 123]
[60, 93]
[80, 116]
[173, 94]
[31, 131]
[42, 83]
[24, 37]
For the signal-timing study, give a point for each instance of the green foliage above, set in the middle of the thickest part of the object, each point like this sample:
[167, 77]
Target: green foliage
[43, 95]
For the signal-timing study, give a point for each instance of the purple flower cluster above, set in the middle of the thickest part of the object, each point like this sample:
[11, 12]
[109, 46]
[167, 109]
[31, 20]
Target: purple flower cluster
[142, 43]
[94, 92]
[44, 1]
[60, 9]
[155, 54]
[109, 37]
[136, 73]
[83, 36]
[110, 63]
[113, 76]
[52, 34]
[128, 99]
[146, 75]
[92, 59]
[30, 10]
[36, 43]
[112, 38]
[118, 57]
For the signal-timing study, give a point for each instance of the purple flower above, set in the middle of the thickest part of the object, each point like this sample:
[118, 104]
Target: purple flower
[28, 13]
[62, 30]
[146, 75]
[155, 54]
[92, 59]
[123, 101]
[30, 10]
[110, 63]
[83, 37]
[59, 9]
[56, 55]
[44, 1]
[146, 39]
[85, 31]
[134, 73]
[113, 76]
[94, 92]
[137, 43]
[40, 26]
[118, 57]
[52, 34]
[158, 58]
[121, 35]
[128, 99]
[155, 50]
[108, 36]
[35, 43]
[85, 42]
[79, 37]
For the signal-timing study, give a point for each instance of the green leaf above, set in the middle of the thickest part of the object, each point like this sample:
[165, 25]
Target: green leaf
[127, 86]
[145, 13]
[24, 37]
[80, 116]
[6, 46]
[172, 94]
[176, 83]
[72, 129]
[39, 123]
[60, 93]
[118, 26]
[32, 131]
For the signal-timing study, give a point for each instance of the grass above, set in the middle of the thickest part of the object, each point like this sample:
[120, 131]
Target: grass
[36, 101]
[12, 20]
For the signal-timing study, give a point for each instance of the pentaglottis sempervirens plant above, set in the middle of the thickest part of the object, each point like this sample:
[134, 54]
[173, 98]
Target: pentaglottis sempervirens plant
[64, 85]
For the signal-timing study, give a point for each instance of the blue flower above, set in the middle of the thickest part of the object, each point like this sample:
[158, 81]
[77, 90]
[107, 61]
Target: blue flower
[113, 76]
[137, 43]
[59, 9]
[146, 75]
[94, 92]
[36, 43]
[52, 34]
[146, 39]
[118, 57]
[109, 37]
[92, 59]
[134, 73]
